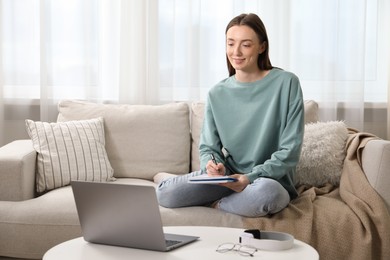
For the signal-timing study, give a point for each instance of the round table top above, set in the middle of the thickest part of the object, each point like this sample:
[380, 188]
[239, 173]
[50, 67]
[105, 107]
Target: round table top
[205, 247]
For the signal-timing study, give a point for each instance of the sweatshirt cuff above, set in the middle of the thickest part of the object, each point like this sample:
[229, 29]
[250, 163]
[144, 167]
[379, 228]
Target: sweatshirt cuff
[252, 176]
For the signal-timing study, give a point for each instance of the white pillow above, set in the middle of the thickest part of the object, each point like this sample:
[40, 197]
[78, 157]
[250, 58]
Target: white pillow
[323, 154]
[67, 151]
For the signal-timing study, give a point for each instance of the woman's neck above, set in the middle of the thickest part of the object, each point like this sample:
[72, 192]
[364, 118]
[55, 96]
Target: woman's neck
[242, 76]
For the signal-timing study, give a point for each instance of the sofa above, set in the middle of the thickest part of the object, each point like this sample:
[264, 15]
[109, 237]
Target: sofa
[342, 194]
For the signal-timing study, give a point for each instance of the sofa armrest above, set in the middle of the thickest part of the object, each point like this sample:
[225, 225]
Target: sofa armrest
[376, 165]
[17, 171]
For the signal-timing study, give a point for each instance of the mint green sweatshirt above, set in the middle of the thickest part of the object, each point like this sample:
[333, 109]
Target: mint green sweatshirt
[260, 124]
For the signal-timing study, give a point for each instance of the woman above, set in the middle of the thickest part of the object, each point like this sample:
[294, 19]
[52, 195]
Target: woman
[253, 125]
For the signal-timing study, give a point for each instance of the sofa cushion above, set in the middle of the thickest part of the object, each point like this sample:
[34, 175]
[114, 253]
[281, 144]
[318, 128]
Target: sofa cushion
[197, 111]
[323, 153]
[141, 140]
[68, 151]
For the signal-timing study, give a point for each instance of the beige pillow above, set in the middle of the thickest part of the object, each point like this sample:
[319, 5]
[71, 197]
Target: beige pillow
[141, 140]
[323, 154]
[69, 151]
[311, 111]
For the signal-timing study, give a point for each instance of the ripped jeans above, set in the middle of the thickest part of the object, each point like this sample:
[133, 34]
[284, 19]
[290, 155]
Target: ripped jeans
[262, 197]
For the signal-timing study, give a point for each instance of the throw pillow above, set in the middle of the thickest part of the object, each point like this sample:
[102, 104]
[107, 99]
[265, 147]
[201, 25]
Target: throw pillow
[67, 151]
[323, 154]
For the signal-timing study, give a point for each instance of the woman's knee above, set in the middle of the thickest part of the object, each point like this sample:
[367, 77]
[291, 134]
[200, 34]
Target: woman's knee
[165, 196]
[176, 193]
[273, 196]
[261, 198]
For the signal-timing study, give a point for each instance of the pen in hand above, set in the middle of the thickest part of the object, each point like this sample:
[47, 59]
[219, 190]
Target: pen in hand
[214, 160]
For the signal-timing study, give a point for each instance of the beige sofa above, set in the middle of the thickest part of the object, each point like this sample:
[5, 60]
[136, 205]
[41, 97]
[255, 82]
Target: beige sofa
[140, 141]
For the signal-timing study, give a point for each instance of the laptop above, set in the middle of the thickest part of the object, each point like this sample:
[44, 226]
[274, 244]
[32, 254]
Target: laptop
[123, 215]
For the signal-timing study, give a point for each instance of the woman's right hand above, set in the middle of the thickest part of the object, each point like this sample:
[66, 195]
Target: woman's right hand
[215, 169]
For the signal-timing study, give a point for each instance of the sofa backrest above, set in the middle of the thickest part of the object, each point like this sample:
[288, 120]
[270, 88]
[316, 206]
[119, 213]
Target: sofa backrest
[197, 112]
[141, 140]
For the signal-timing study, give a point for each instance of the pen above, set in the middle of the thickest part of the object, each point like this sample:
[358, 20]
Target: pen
[213, 159]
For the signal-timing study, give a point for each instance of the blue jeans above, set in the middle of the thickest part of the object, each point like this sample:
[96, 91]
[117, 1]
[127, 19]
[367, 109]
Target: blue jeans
[263, 196]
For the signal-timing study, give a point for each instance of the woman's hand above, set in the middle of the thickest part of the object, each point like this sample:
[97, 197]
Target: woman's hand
[239, 185]
[214, 170]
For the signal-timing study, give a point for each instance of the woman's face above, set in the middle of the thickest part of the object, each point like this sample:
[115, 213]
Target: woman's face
[243, 48]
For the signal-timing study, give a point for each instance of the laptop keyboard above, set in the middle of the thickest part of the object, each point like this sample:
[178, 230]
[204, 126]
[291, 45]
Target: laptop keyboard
[171, 242]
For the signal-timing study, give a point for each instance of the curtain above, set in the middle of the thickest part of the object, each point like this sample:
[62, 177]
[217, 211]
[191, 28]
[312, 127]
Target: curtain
[96, 50]
[159, 51]
[388, 102]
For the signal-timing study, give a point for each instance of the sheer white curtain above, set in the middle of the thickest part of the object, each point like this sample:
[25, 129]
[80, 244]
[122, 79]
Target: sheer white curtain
[158, 51]
[98, 50]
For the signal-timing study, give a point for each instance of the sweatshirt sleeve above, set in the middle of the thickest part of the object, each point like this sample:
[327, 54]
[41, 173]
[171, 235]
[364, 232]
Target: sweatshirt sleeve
[284, 160]
[209, 139]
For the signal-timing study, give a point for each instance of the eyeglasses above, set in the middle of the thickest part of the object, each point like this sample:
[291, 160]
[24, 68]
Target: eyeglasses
[243, 250]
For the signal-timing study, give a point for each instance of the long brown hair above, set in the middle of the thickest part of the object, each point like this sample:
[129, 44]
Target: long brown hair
[255, 23]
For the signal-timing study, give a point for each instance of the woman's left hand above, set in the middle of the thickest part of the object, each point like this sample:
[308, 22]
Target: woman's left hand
[239, 185]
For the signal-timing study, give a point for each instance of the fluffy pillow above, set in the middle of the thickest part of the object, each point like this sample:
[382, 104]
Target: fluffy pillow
[323, 154]
[72, 150]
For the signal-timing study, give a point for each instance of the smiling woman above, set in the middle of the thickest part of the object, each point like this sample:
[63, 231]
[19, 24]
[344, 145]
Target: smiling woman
[247, 47]
[258, 143]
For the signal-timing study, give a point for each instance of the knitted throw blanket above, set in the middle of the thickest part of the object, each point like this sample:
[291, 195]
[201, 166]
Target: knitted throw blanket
[346, 222]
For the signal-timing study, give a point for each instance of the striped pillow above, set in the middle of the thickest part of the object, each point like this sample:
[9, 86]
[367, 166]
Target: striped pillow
[67, 151]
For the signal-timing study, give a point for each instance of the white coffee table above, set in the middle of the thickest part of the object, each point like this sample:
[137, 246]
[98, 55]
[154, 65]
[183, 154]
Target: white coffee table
[204, 248]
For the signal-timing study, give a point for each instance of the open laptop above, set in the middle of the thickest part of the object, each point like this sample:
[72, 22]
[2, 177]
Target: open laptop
[123, 215]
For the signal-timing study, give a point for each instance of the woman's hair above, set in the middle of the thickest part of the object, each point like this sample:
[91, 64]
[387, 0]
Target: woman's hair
[255, 23]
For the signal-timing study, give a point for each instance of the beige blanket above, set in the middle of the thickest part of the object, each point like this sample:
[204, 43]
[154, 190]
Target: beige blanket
[346, 222]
